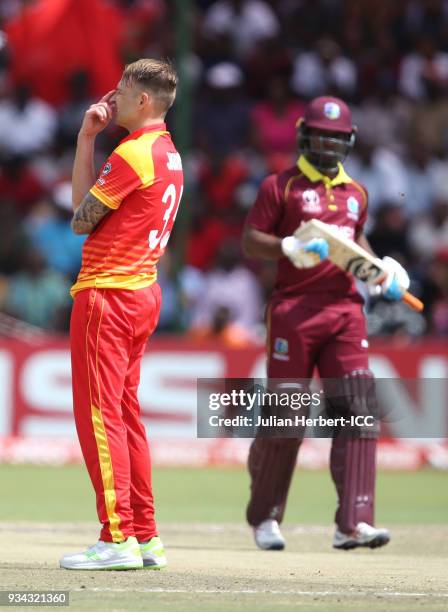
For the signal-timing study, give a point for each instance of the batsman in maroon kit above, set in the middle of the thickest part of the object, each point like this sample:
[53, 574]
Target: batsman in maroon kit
[315, 319]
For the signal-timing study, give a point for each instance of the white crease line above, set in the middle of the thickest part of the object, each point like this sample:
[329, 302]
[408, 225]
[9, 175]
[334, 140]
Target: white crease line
[260, 592]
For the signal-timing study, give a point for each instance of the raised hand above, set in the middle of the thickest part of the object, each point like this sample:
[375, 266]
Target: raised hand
[98, 115]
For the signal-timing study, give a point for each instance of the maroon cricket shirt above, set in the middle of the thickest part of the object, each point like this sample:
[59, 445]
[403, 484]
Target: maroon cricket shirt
[290, 198]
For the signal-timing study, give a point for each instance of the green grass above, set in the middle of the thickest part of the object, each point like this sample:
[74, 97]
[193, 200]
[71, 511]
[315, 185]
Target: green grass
[216, 495]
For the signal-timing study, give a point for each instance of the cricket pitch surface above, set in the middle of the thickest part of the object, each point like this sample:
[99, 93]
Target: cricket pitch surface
[217, 568]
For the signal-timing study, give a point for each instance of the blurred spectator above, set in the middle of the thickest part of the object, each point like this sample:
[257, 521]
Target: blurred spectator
[144, 22]
[428, 124]
[274, 121]
[429, 233]
[19, 183]
[419, 192]
[174, 304]
[72, 112]
[396, 320]
[229, 285]
[10, 8]
[269, 60]
[38, 295]
[435, 294]
[389, 235]
[12, 238]
[223, 114]
[49, 230]
[207, 234]
[244, 22]
[379, 67]
[324, 70]
[27, 124]
[424, 71]
[219, 178]
[192, 287]
[383, 129]
[428, 16]
[380, 170]
[222, 328]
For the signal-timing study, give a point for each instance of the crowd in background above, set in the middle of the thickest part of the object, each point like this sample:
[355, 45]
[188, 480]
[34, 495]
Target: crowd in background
[253, 66]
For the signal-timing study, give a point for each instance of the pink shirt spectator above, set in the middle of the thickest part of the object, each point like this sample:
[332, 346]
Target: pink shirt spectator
[276, 133]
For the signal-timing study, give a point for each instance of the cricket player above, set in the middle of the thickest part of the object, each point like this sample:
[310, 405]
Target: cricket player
[315, 318]
[128, 212]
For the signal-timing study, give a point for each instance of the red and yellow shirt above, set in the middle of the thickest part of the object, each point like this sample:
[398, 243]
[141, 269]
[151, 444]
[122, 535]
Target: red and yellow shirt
[142, 183]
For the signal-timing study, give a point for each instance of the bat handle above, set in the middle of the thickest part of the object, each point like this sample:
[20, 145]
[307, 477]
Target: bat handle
[413, 302]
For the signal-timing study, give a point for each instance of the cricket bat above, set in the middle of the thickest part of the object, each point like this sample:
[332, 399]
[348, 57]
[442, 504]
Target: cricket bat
[350, 257]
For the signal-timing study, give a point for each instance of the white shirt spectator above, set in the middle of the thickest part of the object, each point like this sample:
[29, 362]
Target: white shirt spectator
[419, 192]
[311, 77]
[27, 131]
[429, 233]
[236, 290]
[412, 69]
[255, 22]
[382, 129]
[384, 177]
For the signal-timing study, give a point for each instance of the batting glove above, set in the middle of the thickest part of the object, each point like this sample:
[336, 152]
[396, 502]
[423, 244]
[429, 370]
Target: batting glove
[396, 283]
[305, 254]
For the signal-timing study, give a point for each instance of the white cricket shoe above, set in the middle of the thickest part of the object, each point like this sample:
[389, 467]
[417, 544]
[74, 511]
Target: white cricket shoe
[153, 554]
[268, 536]
[106, 556]
[364, 535]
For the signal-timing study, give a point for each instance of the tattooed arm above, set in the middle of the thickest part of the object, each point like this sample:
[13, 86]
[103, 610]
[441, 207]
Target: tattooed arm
[88, 214]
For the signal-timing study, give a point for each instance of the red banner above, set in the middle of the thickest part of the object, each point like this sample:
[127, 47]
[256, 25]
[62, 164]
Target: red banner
[35, 391]
[36, 399]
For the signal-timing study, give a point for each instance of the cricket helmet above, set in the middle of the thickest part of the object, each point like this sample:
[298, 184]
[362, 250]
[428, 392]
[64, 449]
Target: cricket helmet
[333, 117]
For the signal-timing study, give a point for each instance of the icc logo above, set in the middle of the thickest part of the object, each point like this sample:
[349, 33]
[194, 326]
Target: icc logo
[353, 208]
[332, 110]
[311, 201]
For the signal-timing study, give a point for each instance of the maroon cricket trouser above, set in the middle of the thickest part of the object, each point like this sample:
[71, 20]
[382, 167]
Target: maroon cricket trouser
[304, 333]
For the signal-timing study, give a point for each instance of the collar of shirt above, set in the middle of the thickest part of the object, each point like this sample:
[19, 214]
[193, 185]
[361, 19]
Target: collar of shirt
[156, 127]
[314, 175]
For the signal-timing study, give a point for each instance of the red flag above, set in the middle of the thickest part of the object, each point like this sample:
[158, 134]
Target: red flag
[53, 38]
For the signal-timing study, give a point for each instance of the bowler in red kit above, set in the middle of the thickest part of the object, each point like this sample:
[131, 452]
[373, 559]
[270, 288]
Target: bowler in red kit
[128, 211]
[315, 319]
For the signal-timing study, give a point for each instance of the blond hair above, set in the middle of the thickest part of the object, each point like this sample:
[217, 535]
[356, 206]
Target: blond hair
[158, 76]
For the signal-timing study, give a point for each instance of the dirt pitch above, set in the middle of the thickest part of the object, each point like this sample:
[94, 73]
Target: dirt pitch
[216, 568]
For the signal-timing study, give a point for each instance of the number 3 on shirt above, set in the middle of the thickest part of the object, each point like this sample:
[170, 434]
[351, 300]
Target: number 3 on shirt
[169, 197]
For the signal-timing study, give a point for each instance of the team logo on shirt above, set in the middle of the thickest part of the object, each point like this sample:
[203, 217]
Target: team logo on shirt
[353, 208]
[332, 110]
[281, 349]
[311, 201]
[174, 161]
[107, 168]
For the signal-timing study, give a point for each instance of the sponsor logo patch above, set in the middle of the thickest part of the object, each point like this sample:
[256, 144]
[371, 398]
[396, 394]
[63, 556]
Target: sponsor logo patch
[281, 349]
[353, 208]
[174, 161]
[311, 201]
[332, 110]
[107, 168]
